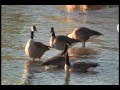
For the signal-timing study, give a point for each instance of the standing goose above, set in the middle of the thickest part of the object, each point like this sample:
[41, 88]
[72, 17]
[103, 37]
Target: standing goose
[84, 34]
[35, 49]
[58, 42]
[78, 66]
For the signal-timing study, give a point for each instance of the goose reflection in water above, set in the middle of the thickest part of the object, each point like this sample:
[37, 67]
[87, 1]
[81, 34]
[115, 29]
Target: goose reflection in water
[71, 8]
[67, 78]
[30, 67]
[54, 63]
[84, 53]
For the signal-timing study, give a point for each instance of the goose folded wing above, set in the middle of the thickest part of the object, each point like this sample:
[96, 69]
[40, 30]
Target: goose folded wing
[65, 39]
[40, 45]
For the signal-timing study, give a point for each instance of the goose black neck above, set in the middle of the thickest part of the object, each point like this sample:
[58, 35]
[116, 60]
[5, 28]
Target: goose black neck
[67, 62]
[53, 34]
[52, 31]
[32, 34]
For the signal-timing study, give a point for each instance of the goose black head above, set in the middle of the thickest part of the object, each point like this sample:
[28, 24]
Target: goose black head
[33, 28]
[52, 30]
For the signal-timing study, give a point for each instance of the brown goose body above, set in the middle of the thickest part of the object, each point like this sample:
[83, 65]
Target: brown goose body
[56, 60]
[58, 42]
[84, 34]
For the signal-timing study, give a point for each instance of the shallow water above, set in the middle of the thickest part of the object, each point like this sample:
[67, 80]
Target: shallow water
[18, 19]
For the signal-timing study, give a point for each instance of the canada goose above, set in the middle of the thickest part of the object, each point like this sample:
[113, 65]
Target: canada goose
[78, 66]
[62, 62]
[56, 61]
[58, 42]
[84, 34]
[35, 49]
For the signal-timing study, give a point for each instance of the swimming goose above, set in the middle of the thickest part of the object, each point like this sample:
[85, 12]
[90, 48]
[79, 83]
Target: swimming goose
[84, 34]
[63, 62]
[35, 49]
[78, 66]
[56, 61]
[58, 42]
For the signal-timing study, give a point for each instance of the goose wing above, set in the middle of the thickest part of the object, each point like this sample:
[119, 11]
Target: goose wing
[56, 60]
[66, 39]
[84, 65]
[88, 31]
[40, 45]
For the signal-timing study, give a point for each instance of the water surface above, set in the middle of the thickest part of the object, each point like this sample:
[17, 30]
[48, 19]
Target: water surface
[16, 23]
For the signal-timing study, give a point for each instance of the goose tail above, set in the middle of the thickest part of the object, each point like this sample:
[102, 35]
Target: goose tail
[100, 33]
